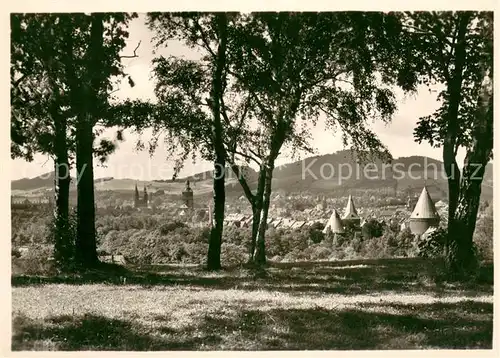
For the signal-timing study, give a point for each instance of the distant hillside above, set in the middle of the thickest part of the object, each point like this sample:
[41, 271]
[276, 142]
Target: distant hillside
[335, 174]
[42, 181]
[339, 173]
[246, 171]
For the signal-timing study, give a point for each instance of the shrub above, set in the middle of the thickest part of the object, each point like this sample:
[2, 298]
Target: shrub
[236, 236]
[319, 252]
[62, 234]
[433, 244]
[232, 254]
[35, 262]
[407, 245]
[483, 235]
[168, 227]
[315, 232]
[374, 228]
[15, 253]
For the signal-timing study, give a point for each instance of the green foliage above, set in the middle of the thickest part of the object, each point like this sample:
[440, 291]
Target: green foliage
[407, 245]
[433, 245]
[35, 261]
[63, 68]
[316, 232]
[49, 63]
[165, 229]
[145, 238]
[483, 235]
[433, 40]
[455, 50]
[30, 227]
[62, 234]
[374, 228]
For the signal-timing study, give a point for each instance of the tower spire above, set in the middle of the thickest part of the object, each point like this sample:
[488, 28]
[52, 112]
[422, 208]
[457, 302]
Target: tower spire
[136, 196]
[351, 216]
[334, 224]
[424, 214]
[350, 211]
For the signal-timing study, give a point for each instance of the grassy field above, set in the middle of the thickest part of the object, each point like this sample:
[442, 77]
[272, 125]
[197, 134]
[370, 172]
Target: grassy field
[383, 304]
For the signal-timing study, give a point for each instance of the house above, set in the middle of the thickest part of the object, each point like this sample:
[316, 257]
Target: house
[298, 224]
[277, 222]
[287, 223]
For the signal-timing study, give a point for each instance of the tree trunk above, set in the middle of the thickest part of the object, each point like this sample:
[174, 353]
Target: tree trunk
[450, 140]
[460, 254]
[256, 214]
[86, 234]
[86, 247]
[257, 201]
[63, 246]
[260, 255]
[278, 137]
[215, 242]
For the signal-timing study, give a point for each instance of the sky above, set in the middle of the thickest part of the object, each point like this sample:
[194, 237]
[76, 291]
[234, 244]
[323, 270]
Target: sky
[127, 162]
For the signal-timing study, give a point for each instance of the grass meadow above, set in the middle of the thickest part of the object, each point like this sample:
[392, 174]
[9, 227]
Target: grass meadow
[369, 304]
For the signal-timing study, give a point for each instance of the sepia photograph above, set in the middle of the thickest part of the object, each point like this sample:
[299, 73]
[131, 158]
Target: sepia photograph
[251, 181]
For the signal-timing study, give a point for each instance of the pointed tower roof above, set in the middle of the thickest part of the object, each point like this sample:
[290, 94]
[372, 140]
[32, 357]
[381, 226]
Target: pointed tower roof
[350, 211]
[187, 188]
[424, 209]
[334, 224]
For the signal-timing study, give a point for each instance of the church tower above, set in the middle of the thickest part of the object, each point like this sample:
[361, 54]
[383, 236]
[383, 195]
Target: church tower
[351, 214]
[145, 198]
[136, 197]
[187, 196]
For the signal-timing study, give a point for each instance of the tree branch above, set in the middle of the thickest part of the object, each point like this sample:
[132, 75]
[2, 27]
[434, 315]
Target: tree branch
[243, 182]
[134, 55]
[247, 156]
[204, 39]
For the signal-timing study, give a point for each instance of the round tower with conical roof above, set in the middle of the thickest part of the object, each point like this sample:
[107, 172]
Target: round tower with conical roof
[334, 224]
[424, 215]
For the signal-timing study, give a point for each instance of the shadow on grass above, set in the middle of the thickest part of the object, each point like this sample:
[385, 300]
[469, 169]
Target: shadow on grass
[355, 329]
[430, 326]
[91, 332]
[349, 277]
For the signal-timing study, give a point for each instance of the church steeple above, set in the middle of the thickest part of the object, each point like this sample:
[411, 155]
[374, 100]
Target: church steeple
[350, 210]
[350, 213]
[136, 196]
[145, 198]
[187, 196]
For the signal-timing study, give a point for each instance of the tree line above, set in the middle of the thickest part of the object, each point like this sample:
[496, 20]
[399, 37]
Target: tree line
[262, 81]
